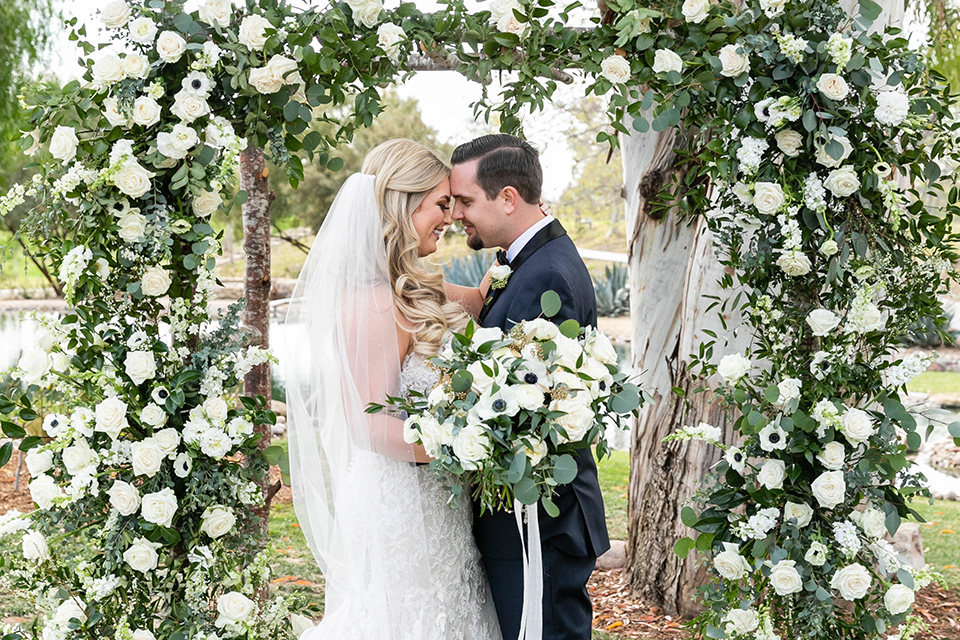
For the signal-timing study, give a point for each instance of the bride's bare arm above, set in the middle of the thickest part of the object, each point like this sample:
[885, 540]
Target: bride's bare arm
[470, 297]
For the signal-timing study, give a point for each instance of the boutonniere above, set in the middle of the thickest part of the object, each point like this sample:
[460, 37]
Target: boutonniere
[499, 276]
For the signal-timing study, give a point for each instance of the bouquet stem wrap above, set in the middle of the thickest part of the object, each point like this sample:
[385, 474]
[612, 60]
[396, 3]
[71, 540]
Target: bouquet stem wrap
[531, 622]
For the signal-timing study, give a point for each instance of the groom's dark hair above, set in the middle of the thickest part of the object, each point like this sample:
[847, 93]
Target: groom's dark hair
[505, 161]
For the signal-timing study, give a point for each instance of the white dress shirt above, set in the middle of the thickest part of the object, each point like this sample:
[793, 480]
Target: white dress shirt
[517, 245]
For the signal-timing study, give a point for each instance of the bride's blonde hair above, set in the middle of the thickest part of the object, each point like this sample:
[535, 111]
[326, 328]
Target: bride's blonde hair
[406, 172]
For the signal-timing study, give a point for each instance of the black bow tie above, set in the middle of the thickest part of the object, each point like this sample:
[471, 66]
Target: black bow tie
[502, 258]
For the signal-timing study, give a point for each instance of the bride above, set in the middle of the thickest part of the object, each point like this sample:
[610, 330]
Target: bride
[399, 562]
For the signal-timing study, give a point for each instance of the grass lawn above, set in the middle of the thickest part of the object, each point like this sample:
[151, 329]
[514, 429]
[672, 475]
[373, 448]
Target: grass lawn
[936, 382]
[941, 537]
[614, 474]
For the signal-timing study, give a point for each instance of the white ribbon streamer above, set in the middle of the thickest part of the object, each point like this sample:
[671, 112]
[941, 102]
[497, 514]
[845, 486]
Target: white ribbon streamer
[531, 622]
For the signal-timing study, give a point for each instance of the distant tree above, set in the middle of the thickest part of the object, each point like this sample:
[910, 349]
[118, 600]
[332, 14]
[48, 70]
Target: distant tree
[943, 20]
[308, 204]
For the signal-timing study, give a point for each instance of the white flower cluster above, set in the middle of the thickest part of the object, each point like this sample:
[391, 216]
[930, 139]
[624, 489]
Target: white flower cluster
[792, 47]
[390, 36]
[845, 533]
[840, 49]
[758, 525]
[790, 230]
[72, 267]
[750, 154]
[892, 108]
[71, 179]
[703, 431]
[912, 365]
[244, 361]
[814, 194]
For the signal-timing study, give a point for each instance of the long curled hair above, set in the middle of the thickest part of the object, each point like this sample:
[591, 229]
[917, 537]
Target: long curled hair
[406, 172]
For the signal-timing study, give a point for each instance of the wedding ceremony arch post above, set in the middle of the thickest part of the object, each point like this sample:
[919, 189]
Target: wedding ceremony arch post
[810, 147]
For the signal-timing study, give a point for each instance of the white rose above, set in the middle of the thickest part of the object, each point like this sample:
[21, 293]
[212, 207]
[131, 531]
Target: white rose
[170, 46]
[177, 143]
[63, 143]
[146, 111]
[816, 554]
[132, 225]
[732, 367]
[252, 32]
[794, 263]
[143, 634]
[35, 547]
[140, 366]
[785, 578]
[233, 607]
[772, 474]
[529, 397]
[265, 82]
[39, 462]
[206, 203]
[154, 416]
[167, 439]
[768, 197]
[789, 390]
[216, 409]
[789, 141]
[732, 62]
[215, 443]
[189, 106]
[142, 555]
[577, 421]
[111, 111]
[217, 521]
[829, 489]
[829, 161]
[132, 179]
[111, 417]
[143, 30]
[695, 11]
[471, 445]
[540, 329]
[34, 364]
[136, 66]
[159, 507]
[69, 609]
[665, 61]
[822, 321]
[799, 510]
[602, 349]
[147, 457]
[857, 426]
[873, 522]
[389, 37]
[772, 7]
[366, 12]
[832, 456]
[124, 497]
[842, 182]
[730, 564]
[155, 281]
[740, 622]
[61, 361]
[829, 248]
[833, 86]
[284, 69]
[34, 137]
[616, 69]
[898, 599]
[853, 582]
[115, 14]
[216, 12]
[535, 452]
[79, 459]
[43, 490]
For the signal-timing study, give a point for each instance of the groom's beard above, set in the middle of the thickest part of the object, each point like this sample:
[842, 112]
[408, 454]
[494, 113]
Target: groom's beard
[475, 242]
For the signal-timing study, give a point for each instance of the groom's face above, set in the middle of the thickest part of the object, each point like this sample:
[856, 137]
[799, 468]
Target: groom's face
[481, 217]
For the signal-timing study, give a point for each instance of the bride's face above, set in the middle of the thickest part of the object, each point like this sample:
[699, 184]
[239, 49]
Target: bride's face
[432, 217]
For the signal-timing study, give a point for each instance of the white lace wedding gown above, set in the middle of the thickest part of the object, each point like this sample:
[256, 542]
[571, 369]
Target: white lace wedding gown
[433, 583]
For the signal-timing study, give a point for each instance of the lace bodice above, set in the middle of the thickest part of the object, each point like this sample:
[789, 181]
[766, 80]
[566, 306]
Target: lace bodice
[417, 375]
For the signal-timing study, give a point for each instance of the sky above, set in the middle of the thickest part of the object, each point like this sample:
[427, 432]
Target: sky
[444, 97]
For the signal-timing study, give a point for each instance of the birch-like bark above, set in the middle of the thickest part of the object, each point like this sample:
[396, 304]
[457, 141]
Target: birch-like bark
[672, 267]
[256, 284]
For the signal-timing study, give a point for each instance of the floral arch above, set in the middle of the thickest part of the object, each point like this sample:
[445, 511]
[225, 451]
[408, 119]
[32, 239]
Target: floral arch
[821, 153]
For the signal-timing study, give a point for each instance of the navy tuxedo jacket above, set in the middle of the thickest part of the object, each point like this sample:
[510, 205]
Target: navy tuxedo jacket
[549, 261]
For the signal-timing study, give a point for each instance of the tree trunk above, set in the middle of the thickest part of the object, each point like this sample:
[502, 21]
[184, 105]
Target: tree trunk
[672, 266]
[256, 284]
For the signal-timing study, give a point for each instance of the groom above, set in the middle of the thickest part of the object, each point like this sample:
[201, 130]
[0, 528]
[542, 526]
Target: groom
[496, 182]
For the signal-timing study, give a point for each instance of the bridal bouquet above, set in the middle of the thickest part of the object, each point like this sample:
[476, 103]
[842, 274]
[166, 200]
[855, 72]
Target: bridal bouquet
[512, 409]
